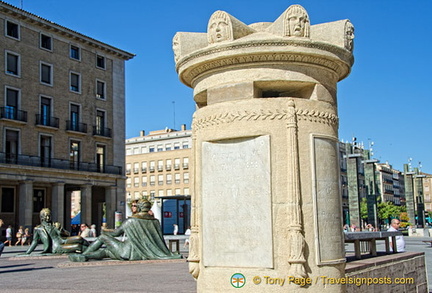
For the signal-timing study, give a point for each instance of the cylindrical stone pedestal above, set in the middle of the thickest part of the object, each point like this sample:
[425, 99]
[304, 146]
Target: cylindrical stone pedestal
[266, 202]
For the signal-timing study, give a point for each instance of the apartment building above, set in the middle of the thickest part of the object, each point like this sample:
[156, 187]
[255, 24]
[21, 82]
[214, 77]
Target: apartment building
[157, 164]
[62, 124]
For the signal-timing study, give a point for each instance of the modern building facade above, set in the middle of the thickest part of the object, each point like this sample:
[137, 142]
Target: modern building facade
[62, 121]
[157, 164]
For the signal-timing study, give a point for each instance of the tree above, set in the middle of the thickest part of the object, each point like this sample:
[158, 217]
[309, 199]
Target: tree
[387, 211]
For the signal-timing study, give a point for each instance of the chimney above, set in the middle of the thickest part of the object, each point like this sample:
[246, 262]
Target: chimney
[142, 133]
[183, 127]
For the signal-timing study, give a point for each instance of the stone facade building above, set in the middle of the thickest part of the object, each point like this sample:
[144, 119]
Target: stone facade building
[157, 164]
[62, 124]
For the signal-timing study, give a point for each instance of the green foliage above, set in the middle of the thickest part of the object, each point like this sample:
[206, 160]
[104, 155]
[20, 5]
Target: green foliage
[363, 209]
[387, 211]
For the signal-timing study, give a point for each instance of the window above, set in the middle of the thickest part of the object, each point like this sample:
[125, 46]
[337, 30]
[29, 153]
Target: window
[74, 117]
[100, 89]
[136, 181]
[100, 61]
[136, 168]
[128, 182]
[152, 180]
[46, 73]
[160, 148]
[12, 146]
[160, 192]
[12, 30]
[186, 191]
[151, 149]
[186, 145]
[186, 177]
[169, 192]
[75, 81]
[160, 179]
[177, 191]
[45, 112]
[128, 168]
[168, 164]
[75, 52]
[11, 109]
[152, 166]
[168, 147]
[169, 179]
[7, 200]
[12, 64]
[100, 123]
[45, 142]
[160, 165]
[143, 167]
[45, 42]
[100, 158]
[185, 163]
[38, 200]
[177, 164]
[177, 146]
[74, 154]
[177, 178]
[144, 181]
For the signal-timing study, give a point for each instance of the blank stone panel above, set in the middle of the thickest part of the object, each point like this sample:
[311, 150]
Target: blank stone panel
[236, 202]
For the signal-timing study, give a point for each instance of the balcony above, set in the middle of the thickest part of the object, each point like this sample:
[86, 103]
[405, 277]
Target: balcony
[13, 114]
[102, 131]
[76, 126]
[35, 161]
[47, 121]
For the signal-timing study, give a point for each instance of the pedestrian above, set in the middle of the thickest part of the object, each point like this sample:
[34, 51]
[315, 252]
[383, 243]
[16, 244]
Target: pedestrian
[93, 232]
[8, 236]
[175, 229]
[19, 235]
[26, 237]
[400, 242]
[84, 230]
[1, 243]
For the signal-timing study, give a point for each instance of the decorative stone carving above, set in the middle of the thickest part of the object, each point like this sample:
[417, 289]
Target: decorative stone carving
[349, 35]
[296, 22]
[224, 27]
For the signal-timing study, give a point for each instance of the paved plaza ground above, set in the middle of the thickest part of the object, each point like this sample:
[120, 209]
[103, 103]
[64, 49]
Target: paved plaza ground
[57, 274]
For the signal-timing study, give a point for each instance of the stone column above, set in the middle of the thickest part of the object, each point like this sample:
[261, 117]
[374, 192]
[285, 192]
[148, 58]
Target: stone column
[409, 194]
[86, 204]
[58, 203]
[26, 204]
[111, 203]
[266, 200]
[353, 189]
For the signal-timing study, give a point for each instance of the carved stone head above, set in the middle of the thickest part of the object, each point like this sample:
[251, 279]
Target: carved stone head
[349, 36]
[297, 22]
[219, 28]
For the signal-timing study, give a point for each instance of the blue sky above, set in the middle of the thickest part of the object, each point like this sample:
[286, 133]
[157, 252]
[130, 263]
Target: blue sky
[386, 98]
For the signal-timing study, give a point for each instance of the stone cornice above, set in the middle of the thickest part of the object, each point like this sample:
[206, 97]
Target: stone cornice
[277, 114]
[33, 19]
[336, 59]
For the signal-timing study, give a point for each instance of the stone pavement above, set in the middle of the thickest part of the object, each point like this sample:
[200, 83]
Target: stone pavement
[57, 274]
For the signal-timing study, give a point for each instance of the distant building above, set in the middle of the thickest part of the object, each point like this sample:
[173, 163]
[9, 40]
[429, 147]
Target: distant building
[158, 165]
[62, 121]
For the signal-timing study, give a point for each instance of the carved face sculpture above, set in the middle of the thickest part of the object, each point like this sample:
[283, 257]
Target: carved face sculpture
[349, 36]
[219, 27]
[298, 21]
[176, 47]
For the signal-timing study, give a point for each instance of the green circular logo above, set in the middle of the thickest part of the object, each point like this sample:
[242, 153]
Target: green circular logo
[238, 280]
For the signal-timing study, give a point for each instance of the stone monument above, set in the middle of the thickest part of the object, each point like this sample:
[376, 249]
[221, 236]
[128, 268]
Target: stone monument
[266, 205]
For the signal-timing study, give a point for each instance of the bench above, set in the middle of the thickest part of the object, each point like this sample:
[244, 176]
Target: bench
[371, 238]
[174, 239]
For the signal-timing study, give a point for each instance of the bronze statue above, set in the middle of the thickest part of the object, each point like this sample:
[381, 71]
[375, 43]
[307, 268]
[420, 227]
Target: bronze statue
[144, 240]
[52, 237]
